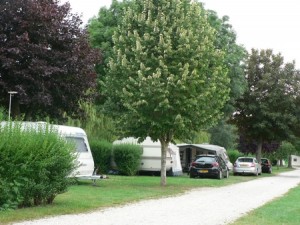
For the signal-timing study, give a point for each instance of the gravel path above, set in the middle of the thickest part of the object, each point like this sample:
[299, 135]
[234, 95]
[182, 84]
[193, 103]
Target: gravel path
[204, 206]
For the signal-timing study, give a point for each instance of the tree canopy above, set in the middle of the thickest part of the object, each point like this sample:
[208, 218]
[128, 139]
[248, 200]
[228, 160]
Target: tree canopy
[234, 58]
[224, 133]
[267, 110]
[103, 26]
[44, 56]
[166, 78]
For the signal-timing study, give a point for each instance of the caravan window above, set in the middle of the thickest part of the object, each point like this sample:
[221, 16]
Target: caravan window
[79, 142]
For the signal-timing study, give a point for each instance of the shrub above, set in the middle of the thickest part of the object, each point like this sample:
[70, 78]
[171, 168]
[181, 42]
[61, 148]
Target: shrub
[233, 155]
[34, 165]
[127, 157]
[102, 153]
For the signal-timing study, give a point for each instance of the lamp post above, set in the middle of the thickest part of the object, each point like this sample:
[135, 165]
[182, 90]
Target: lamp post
[11, 93]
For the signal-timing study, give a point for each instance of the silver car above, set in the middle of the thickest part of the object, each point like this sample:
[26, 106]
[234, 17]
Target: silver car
[246, 165]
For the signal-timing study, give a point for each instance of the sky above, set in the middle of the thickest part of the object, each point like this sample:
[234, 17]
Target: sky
[259, 24]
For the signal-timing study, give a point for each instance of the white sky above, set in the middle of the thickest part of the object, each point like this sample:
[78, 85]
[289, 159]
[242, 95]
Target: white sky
[259, 24]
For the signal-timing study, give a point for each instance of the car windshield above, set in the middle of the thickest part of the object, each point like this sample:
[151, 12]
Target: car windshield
[264, 160]
[245, 160]
[206, 159]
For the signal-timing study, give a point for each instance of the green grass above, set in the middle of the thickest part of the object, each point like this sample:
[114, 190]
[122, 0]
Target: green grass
[117, 190]
[282, 211]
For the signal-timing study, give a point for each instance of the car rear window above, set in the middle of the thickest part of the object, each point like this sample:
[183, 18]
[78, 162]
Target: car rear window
[206, 159]
[245, 160]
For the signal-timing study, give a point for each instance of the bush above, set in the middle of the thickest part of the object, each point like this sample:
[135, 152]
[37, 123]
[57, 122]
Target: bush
[34, 165]
[127, 158]
[233, 155]
[102, 153]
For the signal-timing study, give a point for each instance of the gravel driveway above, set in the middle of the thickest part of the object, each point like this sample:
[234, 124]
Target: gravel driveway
[200, 206]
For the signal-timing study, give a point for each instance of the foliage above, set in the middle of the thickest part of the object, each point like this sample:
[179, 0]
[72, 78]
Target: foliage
[34, 165]
[285, 149]
[246, 147]
[102, 154]
[233, 155]
[266, 111]
[44, 56]
[196, 137]
[96, 124]
[102, 28]
[128, 158]
[296, 142]
[224, 135]
[2, 114]
[234, 58]
[166, 78]
[235, 55]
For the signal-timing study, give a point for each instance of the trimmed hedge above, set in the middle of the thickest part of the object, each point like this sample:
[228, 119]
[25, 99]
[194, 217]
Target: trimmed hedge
[34, 165]
[127, 158]
[233, 155]
[102, 153]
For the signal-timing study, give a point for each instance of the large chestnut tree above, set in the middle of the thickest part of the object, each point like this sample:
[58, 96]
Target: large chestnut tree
[166, 78]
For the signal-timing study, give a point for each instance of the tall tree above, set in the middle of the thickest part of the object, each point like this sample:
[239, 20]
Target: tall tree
[234, 58]
[102, 28]
[266, 111]
[44, 56]
[224, 133]
[165, 78]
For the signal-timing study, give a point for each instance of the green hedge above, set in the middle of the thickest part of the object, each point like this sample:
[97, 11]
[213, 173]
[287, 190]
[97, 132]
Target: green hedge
[102, 153]
[233, 155]
[34, 166]
[127, 158]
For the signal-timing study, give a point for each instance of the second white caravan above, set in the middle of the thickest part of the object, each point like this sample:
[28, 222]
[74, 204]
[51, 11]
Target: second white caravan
[151, 156]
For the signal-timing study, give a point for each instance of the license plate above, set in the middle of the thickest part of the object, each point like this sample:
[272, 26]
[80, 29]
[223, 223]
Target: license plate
[243, 165]
[203, 171]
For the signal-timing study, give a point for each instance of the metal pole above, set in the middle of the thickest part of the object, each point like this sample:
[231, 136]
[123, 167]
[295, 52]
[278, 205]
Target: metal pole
[9, 106]
[11, 93]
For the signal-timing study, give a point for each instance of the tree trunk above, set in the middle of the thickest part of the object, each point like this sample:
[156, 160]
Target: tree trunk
[290, 162]
[258, 150]
[163, 171]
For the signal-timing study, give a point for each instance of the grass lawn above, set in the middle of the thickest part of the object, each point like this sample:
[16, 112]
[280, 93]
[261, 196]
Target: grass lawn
[118, 190]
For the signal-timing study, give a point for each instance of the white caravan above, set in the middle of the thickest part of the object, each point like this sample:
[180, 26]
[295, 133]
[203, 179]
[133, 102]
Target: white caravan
[85, 161]
[151, 156]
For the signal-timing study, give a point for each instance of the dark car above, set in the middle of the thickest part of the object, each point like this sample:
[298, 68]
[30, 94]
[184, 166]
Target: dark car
[209, 166]
[266, 165]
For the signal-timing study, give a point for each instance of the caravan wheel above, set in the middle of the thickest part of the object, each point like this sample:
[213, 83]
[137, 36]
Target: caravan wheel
[170, 173]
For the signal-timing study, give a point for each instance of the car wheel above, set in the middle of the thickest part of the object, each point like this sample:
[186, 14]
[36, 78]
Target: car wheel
[234, 174]
[220, 175]
[191, 175]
